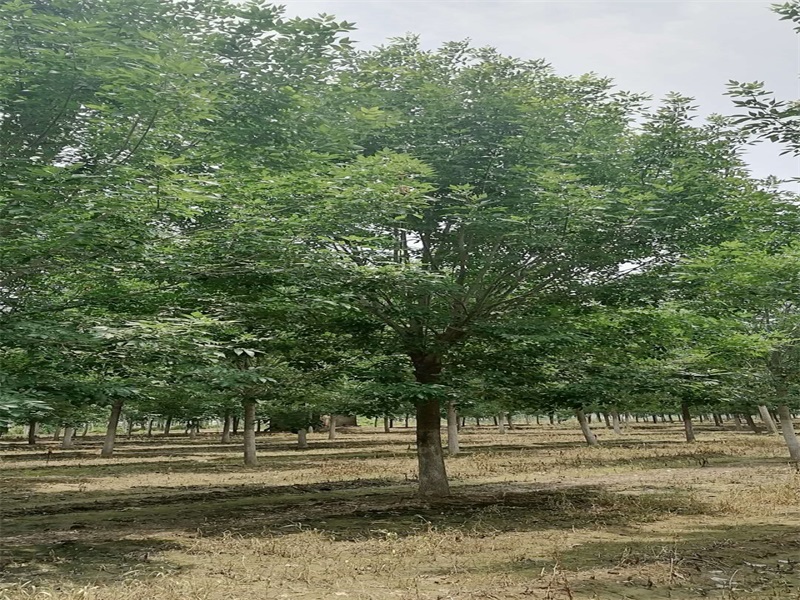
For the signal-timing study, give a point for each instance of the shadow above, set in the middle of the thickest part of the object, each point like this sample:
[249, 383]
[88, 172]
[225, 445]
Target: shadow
[709, 561]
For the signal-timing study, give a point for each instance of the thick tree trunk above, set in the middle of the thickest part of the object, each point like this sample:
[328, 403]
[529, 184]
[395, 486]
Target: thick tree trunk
[32, 427]
[655, 418]
[167, 425]
[387, 428]
[687, 422]
[430, 456]
[332, 427]
[111, 430]
[452, 429]
[250, 459]
[788, 432]
[67, 440]
[57, 434]
[615, 422]
[748, 418]
[767, 418]
[501, 426]
[588, 434]
[302, 439]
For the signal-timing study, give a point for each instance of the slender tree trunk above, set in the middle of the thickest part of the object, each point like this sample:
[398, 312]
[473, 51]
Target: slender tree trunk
[235, 426]
[552, 418]
[669, 416]
[167, 425]
[258, 425]
[462, 423]
[430, 456]
[607, 419]
[56, 434]
[538, 421]
[767, 418]
[615, 422]
[302, 438]
[67, 440]
[250, 459]
[192, 430]
[150, 427]
[332, 427]
[788, 432]
[129, 432]
[406, 421]
[477, 421]
[748, 418]
[636, 417]
[32, 427]
[452, 429]
[655, 418]
[687, 422]
[717, 420]
[738, 421]
[510, 420]
[111, 430]
[588, 434]
[85, 430]
[498, 420]
[386, 426]
[226, 429]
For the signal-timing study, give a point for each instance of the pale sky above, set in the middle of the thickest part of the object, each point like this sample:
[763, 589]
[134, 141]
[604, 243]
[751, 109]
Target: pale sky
[689, 46]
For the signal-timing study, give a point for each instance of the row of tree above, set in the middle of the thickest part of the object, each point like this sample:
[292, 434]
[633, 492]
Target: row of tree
[207, 208]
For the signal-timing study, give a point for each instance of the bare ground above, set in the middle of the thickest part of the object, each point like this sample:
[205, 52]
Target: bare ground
[535, 514]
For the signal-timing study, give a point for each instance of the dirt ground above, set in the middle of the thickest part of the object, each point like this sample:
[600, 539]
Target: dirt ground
[535, 514]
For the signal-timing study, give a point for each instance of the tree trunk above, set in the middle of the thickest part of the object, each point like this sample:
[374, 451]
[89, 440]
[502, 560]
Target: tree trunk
[111, 430]
[250, 459]
[510, 420]
[452, 429]
[32, 426]
[655, 418]
[406, 420]
[226, 429]
[687, 422]
[718, 420]
[235, 426]
[129, 432]
[738, 421]
[477, 421]
[332, 427]
[607, 419]
[588, 434]
[462, 423]
[501, 426]
[302, 438]
[615, 422]
[150, 427]
[167, 425]
[552, 418]
[788, 432]
[386, 426]
[57, 434]
[69, 432]
[85, 430]
[748, 418]
[767, 418]
[192, 430]
[430, 456]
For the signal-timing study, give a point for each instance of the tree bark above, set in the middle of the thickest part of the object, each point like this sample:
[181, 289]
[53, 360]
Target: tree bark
[302, 439]
[192, 430]
[111, 430]
[615, 422]
[452, 429]
[501, 426]
[748, 418]
[250, 459]
[386, 426]
[226, 429]
[788, 432]
[607, 420]
[332, 427]
[235, 426]
[32, 426]
[67, 440]
[552, 418]
[167, 425]
[767, 418]
[687, 422]
[150, 427]
[57, 434]
[588, 434]
[717, 420]
[430, 456]
[406, 421]
[85, 430]
[130, 429]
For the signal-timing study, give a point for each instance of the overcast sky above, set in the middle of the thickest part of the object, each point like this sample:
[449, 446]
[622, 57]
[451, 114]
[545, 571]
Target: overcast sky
[689, 46]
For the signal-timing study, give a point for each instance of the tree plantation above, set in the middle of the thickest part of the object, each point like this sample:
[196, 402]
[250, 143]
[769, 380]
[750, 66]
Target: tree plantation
[285, 317]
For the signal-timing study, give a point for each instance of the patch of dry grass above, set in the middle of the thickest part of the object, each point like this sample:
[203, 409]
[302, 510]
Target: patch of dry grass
[535, 514]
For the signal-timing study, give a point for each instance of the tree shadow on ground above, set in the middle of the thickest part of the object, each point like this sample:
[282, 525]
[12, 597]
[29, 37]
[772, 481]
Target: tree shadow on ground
[349, 510]
[728, 561]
